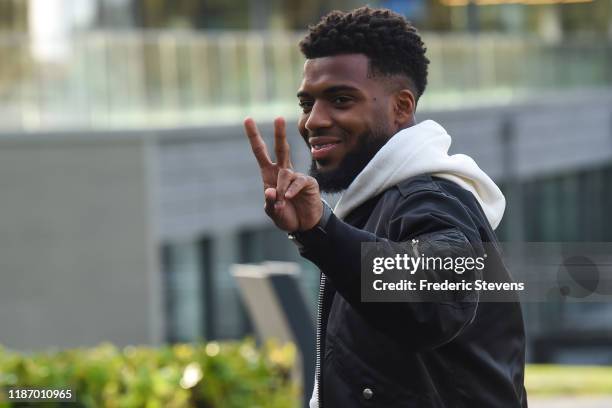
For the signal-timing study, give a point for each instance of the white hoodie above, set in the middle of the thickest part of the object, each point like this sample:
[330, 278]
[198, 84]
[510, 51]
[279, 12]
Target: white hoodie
[420, 149]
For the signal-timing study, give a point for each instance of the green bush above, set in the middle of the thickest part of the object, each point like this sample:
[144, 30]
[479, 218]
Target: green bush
[548, 380]
[228, 374]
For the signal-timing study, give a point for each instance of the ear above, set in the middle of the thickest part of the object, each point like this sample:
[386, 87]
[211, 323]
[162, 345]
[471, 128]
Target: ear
[404, 108]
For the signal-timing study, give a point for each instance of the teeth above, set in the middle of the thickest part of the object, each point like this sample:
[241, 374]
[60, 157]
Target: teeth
[320, 146]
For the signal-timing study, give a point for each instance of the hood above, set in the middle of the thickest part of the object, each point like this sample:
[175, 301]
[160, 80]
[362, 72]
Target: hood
[422, 149]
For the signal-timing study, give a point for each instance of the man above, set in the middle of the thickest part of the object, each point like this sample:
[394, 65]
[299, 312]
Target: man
[364, 73]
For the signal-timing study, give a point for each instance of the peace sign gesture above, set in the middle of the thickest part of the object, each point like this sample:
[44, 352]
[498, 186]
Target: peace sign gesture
[293, 200]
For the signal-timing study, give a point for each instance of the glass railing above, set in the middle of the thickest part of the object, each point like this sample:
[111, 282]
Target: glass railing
[169, 78]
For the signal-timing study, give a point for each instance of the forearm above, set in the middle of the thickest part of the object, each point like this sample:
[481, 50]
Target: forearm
[338, 254]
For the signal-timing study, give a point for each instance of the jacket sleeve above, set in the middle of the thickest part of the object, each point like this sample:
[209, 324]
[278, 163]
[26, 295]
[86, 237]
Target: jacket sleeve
[442, 227]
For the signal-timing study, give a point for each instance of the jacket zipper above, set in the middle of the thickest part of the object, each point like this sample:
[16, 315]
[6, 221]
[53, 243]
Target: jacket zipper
[318, 340]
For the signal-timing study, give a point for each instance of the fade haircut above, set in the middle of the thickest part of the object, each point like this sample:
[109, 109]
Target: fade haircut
[392, 45]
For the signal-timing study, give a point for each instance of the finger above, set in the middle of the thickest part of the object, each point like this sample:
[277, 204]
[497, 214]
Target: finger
[257, 143]
[270, 197]
[285, 177]
[296, 186]
[281, 146]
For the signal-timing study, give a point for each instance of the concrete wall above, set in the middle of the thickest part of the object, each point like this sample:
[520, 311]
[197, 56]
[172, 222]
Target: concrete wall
[77, 251]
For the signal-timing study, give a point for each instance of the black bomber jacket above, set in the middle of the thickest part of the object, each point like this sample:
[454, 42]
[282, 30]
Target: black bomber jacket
[407, 354]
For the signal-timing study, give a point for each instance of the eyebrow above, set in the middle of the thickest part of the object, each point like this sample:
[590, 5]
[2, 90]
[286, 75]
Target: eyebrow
[331, 90]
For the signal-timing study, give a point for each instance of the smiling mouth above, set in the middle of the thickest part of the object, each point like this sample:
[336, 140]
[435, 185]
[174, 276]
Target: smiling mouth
[322, 151]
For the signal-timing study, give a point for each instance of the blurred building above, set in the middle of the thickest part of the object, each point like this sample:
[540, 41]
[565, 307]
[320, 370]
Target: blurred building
[564, 17]
[129, 189]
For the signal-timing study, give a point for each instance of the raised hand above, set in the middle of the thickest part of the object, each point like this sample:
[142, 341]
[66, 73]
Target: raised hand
[292, 200]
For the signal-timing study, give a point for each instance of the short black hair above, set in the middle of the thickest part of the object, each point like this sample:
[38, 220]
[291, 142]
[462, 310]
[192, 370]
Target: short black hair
[391, 43]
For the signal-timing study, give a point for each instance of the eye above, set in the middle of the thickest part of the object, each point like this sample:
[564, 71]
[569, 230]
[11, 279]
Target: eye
[341, 100]
[305, 104]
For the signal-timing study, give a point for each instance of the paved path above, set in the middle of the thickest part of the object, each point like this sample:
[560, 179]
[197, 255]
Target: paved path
[571, 402]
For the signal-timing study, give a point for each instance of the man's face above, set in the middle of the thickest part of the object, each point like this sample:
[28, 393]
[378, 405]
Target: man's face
[347, 116]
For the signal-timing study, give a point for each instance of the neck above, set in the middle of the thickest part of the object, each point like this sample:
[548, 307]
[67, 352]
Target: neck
[409, 123]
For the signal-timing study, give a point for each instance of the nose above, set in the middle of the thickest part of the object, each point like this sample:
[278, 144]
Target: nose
[318, 117]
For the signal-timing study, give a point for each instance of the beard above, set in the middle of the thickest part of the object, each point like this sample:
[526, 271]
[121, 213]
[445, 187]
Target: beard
[338, 179]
